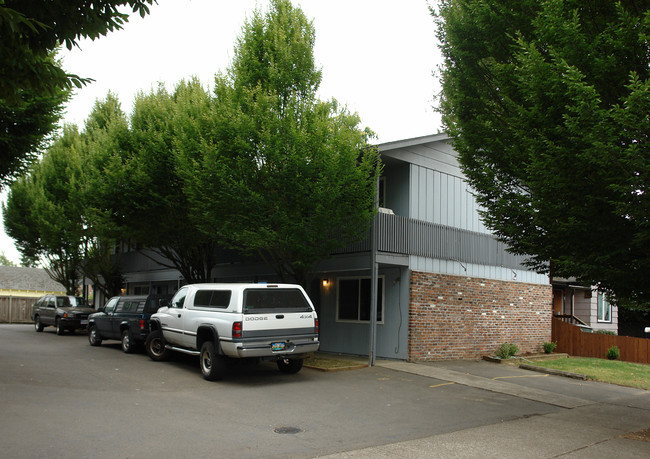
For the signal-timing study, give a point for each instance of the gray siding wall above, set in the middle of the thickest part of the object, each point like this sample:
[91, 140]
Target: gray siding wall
[442, 198]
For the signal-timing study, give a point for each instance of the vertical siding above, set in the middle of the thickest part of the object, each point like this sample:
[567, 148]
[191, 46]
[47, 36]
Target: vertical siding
[441, 198]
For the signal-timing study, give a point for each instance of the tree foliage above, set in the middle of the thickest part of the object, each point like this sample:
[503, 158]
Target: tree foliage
[33, 85]
[282, 175]
[548, 104]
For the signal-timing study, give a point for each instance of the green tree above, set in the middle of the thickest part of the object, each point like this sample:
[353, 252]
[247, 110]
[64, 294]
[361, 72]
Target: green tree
[4, 261]
[134, 190]
[547, 102]
[43, 213]
[33, 86]
[281, 174]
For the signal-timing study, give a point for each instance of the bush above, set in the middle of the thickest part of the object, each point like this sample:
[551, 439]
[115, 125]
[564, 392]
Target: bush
[507, 350]
[549, 347]
[605, 332]
[613, 353]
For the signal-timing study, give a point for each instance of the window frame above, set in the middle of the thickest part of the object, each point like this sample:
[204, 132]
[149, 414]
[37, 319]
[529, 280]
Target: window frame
[380, 307]
[602, 303]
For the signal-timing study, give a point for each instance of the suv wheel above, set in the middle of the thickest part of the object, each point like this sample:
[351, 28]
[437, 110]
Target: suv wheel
[155, 346]
[59, 328]
[93, 337]
[38, 326]
[213, 365]
[290, 366]
[128, 345]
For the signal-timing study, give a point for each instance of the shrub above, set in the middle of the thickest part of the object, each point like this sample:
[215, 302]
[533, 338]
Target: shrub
[605, 332]
[549, 347]
[613, 353]
[507, 350]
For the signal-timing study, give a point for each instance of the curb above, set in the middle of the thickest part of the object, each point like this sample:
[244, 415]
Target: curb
[552, 371]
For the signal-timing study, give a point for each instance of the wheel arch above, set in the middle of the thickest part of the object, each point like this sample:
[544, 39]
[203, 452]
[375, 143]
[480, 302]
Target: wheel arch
[208, 333]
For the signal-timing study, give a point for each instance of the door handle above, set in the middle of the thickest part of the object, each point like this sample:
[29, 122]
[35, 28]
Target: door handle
[279, 316]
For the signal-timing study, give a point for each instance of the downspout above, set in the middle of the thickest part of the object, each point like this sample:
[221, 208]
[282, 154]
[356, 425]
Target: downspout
[372, 353]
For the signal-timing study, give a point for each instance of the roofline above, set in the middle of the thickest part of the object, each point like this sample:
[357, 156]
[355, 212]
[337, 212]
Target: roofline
[394, 145]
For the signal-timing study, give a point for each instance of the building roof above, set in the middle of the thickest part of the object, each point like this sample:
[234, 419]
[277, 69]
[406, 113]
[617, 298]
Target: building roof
[16, 278]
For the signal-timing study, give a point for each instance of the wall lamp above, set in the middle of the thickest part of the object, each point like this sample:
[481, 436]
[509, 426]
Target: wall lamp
[326, 282]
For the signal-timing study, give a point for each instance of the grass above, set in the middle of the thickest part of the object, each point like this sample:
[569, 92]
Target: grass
[332, 362]
[610, 371]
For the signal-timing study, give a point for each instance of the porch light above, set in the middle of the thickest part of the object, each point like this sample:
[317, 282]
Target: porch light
[326, 282]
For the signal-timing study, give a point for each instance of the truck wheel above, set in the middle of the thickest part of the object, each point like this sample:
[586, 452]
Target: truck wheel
[128, 345]
[59, 328]
[213, 365]
[38, 326]
[155, 346]
[290, 366]
[93, 337]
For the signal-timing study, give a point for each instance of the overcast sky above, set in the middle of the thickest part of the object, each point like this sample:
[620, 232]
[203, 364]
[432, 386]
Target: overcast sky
[378, 58]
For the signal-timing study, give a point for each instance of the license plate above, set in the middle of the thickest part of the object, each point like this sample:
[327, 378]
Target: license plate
[84, 322]
[278, 346]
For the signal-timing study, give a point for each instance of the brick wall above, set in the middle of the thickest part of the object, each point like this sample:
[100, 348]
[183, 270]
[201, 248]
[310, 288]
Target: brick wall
[453, 317]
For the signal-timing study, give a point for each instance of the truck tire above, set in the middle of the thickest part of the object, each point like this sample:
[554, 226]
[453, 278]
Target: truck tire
[213, 365]
[128, 344]
[38, 325]
[155, 345]
[93, 337]
[290, 366]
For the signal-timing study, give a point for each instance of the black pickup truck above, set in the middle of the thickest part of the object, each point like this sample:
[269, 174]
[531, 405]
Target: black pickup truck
[125, 318]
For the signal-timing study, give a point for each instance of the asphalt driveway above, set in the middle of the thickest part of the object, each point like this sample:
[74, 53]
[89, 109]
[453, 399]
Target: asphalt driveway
[60, 397]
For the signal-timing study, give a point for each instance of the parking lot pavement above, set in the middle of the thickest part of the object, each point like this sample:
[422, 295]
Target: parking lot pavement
[60, 397]
[590, 427]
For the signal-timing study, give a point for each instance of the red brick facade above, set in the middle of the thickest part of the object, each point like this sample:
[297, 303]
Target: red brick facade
[453, 317]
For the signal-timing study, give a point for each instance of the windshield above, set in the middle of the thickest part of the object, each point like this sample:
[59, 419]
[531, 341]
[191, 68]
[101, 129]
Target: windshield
[274, 300]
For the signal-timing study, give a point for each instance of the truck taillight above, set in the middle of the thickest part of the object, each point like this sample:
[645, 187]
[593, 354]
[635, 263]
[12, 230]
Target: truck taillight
[236, 330]
[316, 326]
[142, 324]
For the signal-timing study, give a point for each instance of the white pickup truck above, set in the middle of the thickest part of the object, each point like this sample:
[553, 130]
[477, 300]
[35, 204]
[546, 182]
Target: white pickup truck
[218, 322]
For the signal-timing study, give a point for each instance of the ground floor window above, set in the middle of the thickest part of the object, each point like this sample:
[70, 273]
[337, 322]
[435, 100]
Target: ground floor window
[604, 309]
[353, 299]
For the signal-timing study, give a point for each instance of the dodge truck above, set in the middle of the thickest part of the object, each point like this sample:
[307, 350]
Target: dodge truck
[218, 322]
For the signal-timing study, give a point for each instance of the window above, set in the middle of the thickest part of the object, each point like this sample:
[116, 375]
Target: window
[354, 299]
[604, 309]
[179, 298]
[212, 298]
[272, 300]
[110, 305]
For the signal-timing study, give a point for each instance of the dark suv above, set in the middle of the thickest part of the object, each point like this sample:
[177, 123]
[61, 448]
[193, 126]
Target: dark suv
[65, 312]
[125, 318]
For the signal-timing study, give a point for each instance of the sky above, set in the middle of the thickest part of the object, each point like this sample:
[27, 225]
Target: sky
[378, 58]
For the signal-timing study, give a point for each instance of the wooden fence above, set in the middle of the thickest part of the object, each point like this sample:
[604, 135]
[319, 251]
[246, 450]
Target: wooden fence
[16, 309]
[575, 342]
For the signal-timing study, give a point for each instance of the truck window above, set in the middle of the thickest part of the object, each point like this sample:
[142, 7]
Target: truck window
[274, 300]
[179, 298]
[212, 298]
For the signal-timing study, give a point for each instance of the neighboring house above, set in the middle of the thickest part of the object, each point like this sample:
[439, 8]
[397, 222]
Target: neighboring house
[447, 289]
[20, 288]
[583, 305]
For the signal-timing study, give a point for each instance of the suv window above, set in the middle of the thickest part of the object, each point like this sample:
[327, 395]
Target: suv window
[271, 300]
[212, 298]
[110, 305]
[63, 302]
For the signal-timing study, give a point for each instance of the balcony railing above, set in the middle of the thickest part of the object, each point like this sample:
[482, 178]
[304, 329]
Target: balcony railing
[407, 236]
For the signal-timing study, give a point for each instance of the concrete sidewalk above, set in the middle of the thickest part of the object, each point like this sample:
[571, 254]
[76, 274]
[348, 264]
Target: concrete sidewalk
[584, 428]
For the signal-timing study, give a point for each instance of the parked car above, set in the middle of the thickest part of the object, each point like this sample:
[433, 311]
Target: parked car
[125, 318]
[65, 312]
